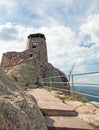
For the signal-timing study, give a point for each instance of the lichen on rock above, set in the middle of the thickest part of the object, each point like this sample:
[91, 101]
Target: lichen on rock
[18, 111]
[23, 74]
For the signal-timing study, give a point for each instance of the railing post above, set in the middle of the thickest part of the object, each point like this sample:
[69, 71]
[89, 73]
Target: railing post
[50, 82]
[72, 84]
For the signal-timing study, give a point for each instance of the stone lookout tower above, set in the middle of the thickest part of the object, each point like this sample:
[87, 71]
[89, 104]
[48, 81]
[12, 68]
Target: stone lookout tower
[35, 54]
[36, 45]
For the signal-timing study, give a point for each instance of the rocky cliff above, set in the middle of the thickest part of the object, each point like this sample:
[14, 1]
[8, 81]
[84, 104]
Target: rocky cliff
[35, 55]
[12, 60]
[27, 76]
[18, 111]
[89, 111]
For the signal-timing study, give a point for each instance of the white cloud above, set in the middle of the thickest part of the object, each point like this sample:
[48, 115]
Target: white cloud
[65, 12]
[60, 21]
[91, 27]
[7, 5]
[47, 13]
[63, 43]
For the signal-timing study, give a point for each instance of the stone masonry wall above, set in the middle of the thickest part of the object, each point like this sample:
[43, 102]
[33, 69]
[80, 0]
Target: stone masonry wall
[40, 52]
[11, 59]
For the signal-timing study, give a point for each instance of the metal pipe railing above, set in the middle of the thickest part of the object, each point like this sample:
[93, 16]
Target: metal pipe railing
[86, 94]
[72, 83]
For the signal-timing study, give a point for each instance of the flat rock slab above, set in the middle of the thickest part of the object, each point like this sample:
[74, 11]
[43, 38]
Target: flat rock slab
[66, 123]
[47, 100]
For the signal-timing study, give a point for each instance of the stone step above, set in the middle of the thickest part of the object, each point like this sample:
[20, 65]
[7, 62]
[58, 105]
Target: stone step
[56, 109]
[58, 112]
[66, 123]
[50, 105]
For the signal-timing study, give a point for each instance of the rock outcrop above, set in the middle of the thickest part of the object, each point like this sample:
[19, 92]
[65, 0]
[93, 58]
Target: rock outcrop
[89, 112]
[24, 74]
[55, 76]
[18, 111]
[27, 76]
[35, 55]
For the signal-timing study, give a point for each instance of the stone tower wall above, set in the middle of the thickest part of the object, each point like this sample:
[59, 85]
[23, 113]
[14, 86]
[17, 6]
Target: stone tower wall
[40, 52]
[34, 56]
[11, 59]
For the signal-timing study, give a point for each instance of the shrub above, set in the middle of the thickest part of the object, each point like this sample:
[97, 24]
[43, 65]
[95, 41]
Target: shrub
[48, 88]
[84, 100]
[74, 97]
[59, 93]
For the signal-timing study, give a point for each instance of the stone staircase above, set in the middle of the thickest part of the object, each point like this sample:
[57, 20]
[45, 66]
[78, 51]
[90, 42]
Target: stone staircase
[68, 121]
[63, 119]
[58, 115]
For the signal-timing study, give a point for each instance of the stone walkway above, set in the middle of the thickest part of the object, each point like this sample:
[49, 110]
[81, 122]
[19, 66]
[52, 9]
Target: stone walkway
[58, 115]
[46, 99]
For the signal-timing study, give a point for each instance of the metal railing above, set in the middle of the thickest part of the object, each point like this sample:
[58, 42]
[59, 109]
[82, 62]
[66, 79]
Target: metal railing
[72, 82]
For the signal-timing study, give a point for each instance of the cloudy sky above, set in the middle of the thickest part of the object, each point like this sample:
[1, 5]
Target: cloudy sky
[71, 28]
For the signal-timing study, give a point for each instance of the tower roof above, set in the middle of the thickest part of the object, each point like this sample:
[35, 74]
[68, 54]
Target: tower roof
[36, 35]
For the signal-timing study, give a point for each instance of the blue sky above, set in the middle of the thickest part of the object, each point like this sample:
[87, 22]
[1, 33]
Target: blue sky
[71, 28]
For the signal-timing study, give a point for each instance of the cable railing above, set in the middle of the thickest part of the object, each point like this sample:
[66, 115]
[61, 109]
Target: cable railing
[96, 72]
[95, 84]
[71, 82]
[80, 93]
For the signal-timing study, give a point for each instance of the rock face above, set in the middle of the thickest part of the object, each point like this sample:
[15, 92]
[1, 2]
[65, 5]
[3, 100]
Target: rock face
[55, 76]
[35, 55]
[26, 75]
[18, 111]
[88, 112]
[6, 85]
[23, 74]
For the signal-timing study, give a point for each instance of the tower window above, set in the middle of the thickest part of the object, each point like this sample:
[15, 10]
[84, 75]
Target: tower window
[31, 55]
[34, 45]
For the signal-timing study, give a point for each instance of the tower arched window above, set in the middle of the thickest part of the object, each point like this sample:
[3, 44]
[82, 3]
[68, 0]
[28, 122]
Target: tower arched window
[34, 44]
